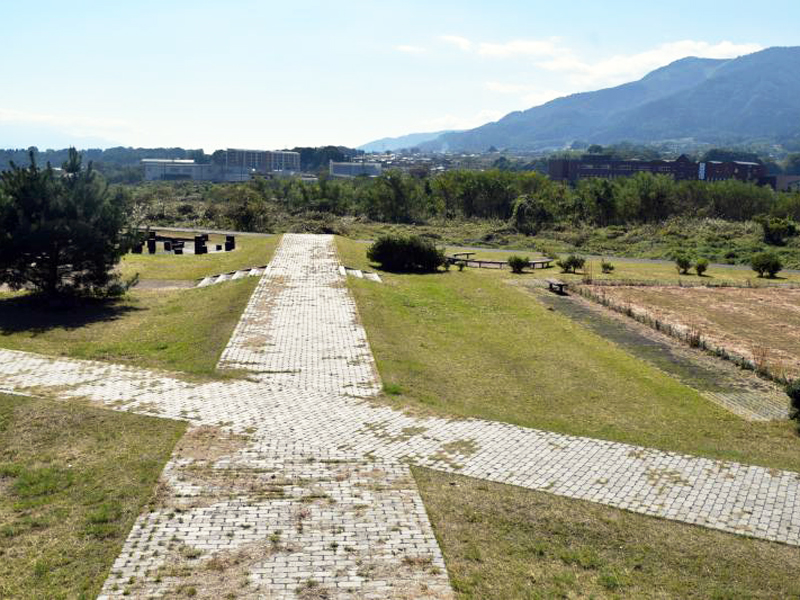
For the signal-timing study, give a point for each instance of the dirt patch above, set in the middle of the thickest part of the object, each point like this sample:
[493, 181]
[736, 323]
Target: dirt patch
[761, 325]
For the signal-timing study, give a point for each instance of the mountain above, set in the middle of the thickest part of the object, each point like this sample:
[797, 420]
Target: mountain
[411, 140]
[750, 98]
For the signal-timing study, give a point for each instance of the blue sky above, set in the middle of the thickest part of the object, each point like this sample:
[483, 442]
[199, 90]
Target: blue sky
[269, 75]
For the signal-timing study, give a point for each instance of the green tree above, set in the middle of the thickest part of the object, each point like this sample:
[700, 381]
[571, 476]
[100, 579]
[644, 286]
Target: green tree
[60, 232]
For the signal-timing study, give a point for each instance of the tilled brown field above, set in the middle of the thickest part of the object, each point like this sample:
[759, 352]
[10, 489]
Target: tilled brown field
[762, 325]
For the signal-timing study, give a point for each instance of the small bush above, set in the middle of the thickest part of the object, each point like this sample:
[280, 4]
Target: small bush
[701, 266]
[766, 263]
[606, 267]
[571, 263]
[406, 254]
[793, 391]
[518, 263]
[776, 230]
[683, 263]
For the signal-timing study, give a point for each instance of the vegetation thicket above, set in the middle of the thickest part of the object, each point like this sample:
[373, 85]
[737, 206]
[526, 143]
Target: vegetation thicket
[61, 232]
[644, 215]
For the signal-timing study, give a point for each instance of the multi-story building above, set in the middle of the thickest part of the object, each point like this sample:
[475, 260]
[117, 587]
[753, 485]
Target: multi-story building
[165, 169]
[234, 165]
[355, 169]
[262, 161]
[605, 167]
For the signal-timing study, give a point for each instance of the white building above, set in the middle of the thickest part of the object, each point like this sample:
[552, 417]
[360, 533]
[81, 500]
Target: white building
[166, 169]
[355, 169]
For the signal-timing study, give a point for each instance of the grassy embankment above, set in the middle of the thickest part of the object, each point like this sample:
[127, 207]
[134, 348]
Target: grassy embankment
[175, 329]
[719, 241]
[72, 481]
[467, 344]
[502, 541]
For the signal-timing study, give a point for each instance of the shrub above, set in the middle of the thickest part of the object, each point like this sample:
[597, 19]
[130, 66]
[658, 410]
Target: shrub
[701, 266]
[766, 262]
[406, 254]
[776, 230]
[793, 391]
[572, 263]
[518, 263]
[606, 267]
[683, 263]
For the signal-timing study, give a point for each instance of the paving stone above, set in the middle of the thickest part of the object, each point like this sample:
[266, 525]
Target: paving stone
[307, 453]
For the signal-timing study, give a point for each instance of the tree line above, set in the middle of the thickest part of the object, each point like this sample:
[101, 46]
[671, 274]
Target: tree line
[529, 201]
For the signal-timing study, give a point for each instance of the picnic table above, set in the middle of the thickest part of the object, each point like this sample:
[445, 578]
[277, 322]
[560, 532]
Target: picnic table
[556, 285]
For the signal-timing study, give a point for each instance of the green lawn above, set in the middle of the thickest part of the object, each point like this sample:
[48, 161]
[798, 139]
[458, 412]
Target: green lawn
[251, 251]
[72, 481]
[177, 330]
[469, 344]
[174, 329]
[501, 541]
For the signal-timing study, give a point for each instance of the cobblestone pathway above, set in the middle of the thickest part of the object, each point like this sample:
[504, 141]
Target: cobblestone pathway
[295, 483]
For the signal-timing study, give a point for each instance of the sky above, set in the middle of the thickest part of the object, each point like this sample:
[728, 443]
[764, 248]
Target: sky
[271, 75]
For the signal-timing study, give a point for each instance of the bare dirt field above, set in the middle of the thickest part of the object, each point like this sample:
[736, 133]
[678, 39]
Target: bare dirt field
[762, 325]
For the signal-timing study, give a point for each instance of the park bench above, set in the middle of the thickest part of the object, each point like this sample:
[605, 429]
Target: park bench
[543, 263]
[556, 285]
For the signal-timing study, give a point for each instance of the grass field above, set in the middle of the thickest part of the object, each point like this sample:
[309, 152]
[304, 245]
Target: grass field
[72, 481]
[748, 322]
[468, 344]
[177, 330]
[174, 329]
[632, 270]
[251, 251]
[501, 541]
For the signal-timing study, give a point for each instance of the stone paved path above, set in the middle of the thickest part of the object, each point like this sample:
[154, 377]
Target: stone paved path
[295, 483]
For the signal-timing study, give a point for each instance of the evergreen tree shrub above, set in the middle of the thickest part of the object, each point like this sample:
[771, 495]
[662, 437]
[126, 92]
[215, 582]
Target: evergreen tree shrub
[406, 254]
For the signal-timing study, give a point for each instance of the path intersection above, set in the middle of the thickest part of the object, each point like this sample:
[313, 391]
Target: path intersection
[294, 483]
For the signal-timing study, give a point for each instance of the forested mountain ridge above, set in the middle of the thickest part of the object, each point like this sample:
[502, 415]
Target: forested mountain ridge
[751, 98]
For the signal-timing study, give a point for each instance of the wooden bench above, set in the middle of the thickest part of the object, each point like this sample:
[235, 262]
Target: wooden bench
[543, 263]
[556, 285]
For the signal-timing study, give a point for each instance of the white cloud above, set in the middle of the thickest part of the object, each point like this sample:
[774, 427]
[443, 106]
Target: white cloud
[548, 47]
[459, 42]
[410, 49]
[627, 67]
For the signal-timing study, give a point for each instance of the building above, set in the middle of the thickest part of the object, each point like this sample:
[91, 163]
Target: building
[165, 169]
[263, 162]
[234, 165]
[682, 169]
[355, 169]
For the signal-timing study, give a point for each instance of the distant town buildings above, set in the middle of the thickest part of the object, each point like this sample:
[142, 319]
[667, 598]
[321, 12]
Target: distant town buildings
[355, 169]
[233, 165]
[682, 169]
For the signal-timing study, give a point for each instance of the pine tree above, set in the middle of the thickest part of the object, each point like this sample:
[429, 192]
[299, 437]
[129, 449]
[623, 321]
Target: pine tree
[60, 232]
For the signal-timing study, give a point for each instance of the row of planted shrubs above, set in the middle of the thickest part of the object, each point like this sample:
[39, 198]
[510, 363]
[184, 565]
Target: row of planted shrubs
[414, 254]
[764, 263]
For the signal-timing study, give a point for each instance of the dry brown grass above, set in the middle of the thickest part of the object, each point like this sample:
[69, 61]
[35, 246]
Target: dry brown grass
[759, 324]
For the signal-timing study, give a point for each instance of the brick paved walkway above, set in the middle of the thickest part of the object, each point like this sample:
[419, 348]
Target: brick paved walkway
[294, 484]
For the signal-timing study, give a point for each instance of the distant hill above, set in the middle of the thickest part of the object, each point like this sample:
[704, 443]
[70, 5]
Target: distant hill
[751, 98]
[412, 140]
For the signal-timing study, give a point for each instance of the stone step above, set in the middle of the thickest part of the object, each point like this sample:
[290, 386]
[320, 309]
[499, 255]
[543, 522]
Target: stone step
[239, 275]
[206, 281]
[221, 278]
[373, 277]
